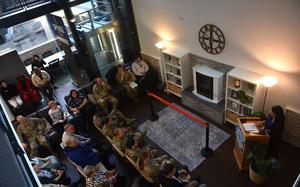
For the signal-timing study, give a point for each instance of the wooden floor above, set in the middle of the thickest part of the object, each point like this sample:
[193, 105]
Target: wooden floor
[220, 170]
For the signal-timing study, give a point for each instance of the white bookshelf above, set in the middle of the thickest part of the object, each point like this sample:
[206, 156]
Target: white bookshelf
[177, 70]
[244, 99]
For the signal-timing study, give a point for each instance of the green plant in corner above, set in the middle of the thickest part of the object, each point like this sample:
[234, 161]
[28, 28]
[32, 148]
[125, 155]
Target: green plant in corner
[260, 166]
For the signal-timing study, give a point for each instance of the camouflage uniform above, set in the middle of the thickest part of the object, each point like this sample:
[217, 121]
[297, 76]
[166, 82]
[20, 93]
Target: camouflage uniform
[34, 130]
[117, 117]
[102, 96]
[127, 78]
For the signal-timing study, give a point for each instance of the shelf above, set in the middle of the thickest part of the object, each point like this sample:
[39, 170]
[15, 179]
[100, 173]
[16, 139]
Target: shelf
[170, 73]
[174, 84]
[169, 64]
[235, 89]
[239, 102]
[177, 94]
[236, 112]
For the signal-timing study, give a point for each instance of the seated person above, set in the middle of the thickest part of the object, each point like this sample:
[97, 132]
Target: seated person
[70, 131]
[170, 177]
[11, 95]
[101, 93]
[29, 93]
[49, 162]
[35, 131]
[96, 176]
[139, 68]
[143, 74]
[57, 116]
[116, 117]
[41, 80]
[86, 141]
[125, 79]
[81, 106]
[80, 154]
[51, 176]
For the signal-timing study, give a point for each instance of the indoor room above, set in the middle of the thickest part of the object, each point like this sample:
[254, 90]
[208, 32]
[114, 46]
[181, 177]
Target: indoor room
[145, 93]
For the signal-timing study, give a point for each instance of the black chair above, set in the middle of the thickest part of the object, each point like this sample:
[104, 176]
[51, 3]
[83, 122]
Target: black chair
[47, 53]
[27, 62]
[54, 65]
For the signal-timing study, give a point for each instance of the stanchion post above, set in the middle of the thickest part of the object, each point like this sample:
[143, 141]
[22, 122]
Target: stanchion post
[153, 116]
[206, 151]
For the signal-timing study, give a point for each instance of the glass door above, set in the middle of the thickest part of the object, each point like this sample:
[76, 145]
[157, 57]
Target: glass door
[105, 48]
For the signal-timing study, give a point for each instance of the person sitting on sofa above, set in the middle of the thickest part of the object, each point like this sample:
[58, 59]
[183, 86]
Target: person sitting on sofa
[57, 116]
[101, 93]
[70, 131]
[82, 155]
[125, 79]
[50, 162]
[11, 95]
[51, 176]
[29, 93]
[86, 141]
[41, 80]
[81, 106]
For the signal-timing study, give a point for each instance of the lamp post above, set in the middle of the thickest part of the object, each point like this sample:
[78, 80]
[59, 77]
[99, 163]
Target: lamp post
[268, 82]
[161, 46]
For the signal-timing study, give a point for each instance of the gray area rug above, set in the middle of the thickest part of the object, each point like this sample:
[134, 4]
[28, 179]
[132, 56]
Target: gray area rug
[182, 137]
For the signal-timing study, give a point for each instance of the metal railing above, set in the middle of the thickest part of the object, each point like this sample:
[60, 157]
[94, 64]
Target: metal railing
[8, 7]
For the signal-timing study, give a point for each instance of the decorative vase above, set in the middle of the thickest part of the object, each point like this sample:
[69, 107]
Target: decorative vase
[256, 178]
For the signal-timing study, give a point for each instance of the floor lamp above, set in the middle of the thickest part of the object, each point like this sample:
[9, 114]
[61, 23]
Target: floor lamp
[161, 46]
[268, 82]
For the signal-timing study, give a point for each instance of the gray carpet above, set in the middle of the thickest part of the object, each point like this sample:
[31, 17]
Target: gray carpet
[181, 137]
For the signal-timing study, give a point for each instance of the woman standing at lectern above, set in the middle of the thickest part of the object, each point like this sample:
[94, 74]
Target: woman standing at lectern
[274, 126]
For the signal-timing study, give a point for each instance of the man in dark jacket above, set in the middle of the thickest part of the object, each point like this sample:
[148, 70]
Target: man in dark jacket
[80, 154]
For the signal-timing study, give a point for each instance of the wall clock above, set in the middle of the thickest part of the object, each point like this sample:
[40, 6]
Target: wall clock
[211, 39]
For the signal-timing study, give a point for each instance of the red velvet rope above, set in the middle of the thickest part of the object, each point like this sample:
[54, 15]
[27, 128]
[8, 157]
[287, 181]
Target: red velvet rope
[178, 109]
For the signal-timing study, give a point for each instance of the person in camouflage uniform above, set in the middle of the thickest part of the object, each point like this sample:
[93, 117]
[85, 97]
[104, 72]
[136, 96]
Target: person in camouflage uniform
[117, 118]
[101, 93]
[125, 78]
[34, 130]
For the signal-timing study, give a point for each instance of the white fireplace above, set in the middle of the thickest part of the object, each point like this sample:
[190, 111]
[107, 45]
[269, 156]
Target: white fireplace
[208, 83]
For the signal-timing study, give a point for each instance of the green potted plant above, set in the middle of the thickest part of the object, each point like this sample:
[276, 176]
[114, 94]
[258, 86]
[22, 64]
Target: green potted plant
[260, 167]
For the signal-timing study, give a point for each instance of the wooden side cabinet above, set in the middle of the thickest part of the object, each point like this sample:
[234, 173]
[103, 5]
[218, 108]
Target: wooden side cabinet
[177, 70]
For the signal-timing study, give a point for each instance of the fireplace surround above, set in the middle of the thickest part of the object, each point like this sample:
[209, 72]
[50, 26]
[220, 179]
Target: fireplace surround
[208, 83]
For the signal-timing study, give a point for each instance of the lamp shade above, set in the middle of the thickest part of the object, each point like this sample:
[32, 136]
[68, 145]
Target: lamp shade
[268, 81]
[160, 45]
[73, 20]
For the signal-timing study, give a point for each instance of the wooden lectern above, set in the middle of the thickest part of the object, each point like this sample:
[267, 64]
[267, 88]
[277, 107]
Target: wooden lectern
[243, 137]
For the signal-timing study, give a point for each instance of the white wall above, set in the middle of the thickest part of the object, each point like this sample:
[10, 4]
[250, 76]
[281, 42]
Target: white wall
[261, 36]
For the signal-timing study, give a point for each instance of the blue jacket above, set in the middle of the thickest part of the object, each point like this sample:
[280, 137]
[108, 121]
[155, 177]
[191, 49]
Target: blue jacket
[82, 155]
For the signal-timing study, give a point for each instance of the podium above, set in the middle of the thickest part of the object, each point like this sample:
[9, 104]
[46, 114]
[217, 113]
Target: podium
[243, 137]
